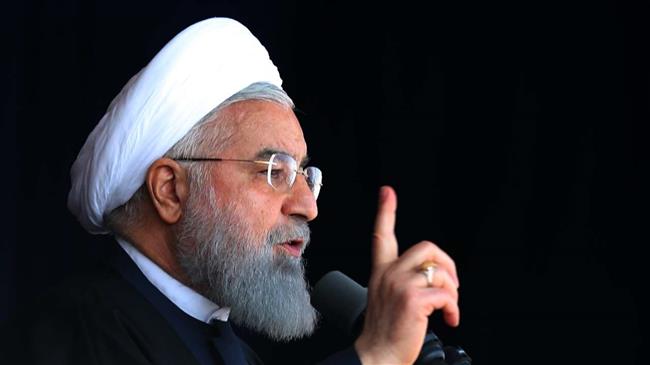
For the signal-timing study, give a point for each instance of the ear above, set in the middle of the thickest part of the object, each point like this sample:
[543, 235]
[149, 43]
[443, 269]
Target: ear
[168, 189]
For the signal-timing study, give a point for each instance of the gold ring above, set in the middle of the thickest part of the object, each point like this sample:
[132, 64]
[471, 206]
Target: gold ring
[428, 268]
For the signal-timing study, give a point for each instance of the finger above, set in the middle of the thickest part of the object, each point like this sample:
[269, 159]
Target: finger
[385, 249]
[441, 280]
[438, 299]
[427, 251]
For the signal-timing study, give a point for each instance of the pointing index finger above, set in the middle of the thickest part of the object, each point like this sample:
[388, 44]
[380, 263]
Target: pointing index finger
[384, 240]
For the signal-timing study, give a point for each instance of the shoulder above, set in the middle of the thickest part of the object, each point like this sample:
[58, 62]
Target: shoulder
[97, 318]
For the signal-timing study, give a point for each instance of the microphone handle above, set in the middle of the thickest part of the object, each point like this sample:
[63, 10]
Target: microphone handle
[454, 355]
[432, 352]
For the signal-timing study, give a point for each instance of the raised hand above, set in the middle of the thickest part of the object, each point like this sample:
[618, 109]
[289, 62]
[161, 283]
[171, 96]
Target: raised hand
[400, 300]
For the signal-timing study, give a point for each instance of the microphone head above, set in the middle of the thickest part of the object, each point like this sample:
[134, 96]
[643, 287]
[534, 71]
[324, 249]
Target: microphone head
[341, 301]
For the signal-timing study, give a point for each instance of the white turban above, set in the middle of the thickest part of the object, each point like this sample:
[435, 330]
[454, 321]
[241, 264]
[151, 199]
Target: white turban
[195, 72]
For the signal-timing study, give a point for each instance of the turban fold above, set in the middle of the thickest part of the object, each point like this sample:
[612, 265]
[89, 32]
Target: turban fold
[195, 72]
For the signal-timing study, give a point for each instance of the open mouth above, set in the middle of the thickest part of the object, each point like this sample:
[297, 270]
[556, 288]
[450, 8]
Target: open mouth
[293, 247]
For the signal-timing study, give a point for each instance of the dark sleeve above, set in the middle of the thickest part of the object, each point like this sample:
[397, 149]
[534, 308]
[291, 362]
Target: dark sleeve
[345, 357]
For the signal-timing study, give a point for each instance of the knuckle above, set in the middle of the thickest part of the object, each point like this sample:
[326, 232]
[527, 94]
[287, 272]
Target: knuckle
[449, 300]
[427, 245]
[450, 288]
[382, 236]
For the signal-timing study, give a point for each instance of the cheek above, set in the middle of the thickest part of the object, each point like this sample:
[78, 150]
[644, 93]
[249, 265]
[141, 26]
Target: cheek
[262, 212]
[257, 206]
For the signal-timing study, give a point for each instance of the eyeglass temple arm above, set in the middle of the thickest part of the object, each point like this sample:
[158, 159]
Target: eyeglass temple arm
[199, 159]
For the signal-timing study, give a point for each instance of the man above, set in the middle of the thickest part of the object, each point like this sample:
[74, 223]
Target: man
[199, 170]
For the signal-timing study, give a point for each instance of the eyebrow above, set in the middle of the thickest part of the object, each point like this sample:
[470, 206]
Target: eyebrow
[267, 152]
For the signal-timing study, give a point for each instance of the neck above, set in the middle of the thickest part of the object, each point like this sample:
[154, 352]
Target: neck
[159, 246]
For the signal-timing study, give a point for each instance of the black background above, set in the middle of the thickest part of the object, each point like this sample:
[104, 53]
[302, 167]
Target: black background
[512, 132]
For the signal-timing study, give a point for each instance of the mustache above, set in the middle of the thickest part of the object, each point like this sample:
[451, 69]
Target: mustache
[298, 230]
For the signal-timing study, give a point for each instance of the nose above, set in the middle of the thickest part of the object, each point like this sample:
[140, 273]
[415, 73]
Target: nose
[300, 201]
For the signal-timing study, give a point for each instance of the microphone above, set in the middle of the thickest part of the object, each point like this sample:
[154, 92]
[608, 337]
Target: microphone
[343, 302]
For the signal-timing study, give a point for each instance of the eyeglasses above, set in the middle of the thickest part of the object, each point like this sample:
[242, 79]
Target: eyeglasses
[281, 171]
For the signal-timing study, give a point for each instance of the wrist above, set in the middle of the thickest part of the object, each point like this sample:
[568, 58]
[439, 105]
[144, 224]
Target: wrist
[370, 353]
[363, 352]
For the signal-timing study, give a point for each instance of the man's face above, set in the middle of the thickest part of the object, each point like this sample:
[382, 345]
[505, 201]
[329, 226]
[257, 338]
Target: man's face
[240, 240]
[258, 128]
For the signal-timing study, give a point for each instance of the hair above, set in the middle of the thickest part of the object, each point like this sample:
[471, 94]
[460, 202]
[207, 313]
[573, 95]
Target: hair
[206, 136]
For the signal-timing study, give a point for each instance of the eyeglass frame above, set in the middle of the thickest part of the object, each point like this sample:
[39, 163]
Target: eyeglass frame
[299, 170]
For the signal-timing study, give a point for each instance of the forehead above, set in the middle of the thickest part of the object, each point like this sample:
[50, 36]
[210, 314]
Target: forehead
[259, 125]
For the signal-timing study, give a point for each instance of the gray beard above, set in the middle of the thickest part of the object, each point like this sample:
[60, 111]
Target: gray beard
[232, 266]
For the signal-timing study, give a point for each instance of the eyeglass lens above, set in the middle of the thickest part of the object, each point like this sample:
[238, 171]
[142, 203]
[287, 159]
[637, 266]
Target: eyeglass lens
[282, 173]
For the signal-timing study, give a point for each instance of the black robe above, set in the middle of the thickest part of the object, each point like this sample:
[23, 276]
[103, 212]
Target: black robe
[116, 316]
